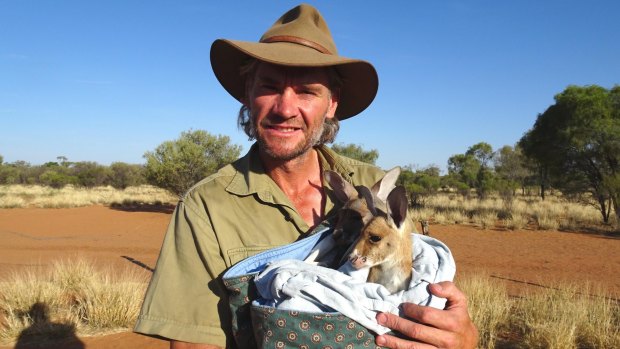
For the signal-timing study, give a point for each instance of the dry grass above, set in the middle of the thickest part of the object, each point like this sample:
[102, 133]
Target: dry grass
[554, 213]
[69, 297]
[489, 307]
[443, 208]
[74, 298]
[17, 196]
[565, 316]
[516, 222]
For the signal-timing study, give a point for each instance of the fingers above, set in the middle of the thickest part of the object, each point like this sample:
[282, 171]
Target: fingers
[418, 332]
[428, 327]
[448, 290]
[427, 315]
[388, 341]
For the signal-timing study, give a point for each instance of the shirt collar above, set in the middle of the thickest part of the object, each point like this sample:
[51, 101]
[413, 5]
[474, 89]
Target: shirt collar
[250, 177]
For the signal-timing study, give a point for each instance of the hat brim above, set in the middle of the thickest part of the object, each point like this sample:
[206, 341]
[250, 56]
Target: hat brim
[360, 81]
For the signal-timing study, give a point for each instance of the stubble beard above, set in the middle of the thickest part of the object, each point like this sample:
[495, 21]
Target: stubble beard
[277, 151]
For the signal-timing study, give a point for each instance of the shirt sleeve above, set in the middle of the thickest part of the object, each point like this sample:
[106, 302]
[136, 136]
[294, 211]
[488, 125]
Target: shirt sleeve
[186, 299]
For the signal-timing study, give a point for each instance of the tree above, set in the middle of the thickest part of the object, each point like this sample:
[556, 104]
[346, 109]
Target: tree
[482, 152]
[511, 168]
[355, 151]
[472, 168]
[576, 144]
[63, 161]
[464, 168]
[177, 165]
[8, 174]
[20, 172]
[123, 175]
[420, 183]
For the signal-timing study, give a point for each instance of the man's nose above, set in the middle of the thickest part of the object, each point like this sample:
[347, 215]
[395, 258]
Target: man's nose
[286, 104]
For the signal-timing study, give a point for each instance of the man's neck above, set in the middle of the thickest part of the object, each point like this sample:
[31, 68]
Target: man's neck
[300, 180]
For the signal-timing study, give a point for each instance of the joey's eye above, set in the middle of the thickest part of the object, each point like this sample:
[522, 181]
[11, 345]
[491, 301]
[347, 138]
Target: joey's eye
[374, 238]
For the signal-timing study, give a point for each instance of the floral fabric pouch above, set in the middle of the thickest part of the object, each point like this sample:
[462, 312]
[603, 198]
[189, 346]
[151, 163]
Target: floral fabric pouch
[285, 298]
[261, 326]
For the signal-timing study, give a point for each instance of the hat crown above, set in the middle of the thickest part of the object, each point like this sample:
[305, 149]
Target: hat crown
[302, 25]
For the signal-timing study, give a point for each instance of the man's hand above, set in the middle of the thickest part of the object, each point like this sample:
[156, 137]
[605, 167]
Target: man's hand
[432, 328]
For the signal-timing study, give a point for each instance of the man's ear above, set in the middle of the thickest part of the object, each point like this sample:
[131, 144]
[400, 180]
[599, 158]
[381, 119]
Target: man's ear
[334, 99]
[245, 100]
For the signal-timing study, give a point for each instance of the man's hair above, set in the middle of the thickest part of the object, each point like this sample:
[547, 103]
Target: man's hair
[244, 119]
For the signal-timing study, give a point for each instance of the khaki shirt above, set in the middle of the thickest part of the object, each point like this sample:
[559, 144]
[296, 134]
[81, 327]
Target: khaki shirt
[231, 215]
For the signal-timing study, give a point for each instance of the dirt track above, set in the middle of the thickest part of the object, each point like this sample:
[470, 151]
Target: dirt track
[522, 259]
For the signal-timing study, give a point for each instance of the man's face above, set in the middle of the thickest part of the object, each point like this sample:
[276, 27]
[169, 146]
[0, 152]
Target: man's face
[288, 107]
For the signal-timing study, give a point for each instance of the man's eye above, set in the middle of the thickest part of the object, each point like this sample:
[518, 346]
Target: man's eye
[308, 92]
[268, 87]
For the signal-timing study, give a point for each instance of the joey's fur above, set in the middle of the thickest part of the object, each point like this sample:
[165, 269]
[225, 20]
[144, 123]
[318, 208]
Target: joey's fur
[355, 213]
[384, 245]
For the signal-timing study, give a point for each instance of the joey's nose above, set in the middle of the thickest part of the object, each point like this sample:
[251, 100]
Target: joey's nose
[357, 261]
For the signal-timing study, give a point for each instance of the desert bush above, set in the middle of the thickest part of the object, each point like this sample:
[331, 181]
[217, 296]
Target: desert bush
[56, 179]
[90, 174]
[123, 175]
[356, 151]
[179, 164]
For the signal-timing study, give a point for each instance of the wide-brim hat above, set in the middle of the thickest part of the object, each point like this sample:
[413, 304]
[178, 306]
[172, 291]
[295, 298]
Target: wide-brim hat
[299, 38]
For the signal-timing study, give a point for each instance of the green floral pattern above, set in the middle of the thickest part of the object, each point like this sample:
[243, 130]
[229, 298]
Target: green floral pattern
[274, 328]
[257, 326]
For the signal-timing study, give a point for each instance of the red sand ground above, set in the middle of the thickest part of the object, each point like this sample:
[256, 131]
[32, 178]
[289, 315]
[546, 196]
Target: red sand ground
[521, 259]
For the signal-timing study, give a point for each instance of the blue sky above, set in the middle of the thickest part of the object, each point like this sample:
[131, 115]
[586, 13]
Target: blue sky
[107, 81]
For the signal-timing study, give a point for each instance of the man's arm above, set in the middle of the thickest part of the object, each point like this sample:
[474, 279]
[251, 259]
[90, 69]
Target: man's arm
[184, 345]
[448, 328]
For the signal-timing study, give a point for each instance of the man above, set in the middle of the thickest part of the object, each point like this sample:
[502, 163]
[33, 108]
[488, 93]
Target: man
[295, 89]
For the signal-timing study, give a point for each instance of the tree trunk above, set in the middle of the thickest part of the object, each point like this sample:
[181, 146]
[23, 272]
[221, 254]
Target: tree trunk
[603, 205]
[542, 183]
[616, 203]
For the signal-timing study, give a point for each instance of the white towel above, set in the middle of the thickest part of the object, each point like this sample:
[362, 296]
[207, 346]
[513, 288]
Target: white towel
[297, 285]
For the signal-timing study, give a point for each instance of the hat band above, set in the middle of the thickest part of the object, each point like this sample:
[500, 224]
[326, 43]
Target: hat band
[297, 40]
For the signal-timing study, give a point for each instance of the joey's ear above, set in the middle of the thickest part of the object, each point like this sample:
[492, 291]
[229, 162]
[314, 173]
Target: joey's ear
[370, 201]
[384, 186]
[397, 206]
[344, 190]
